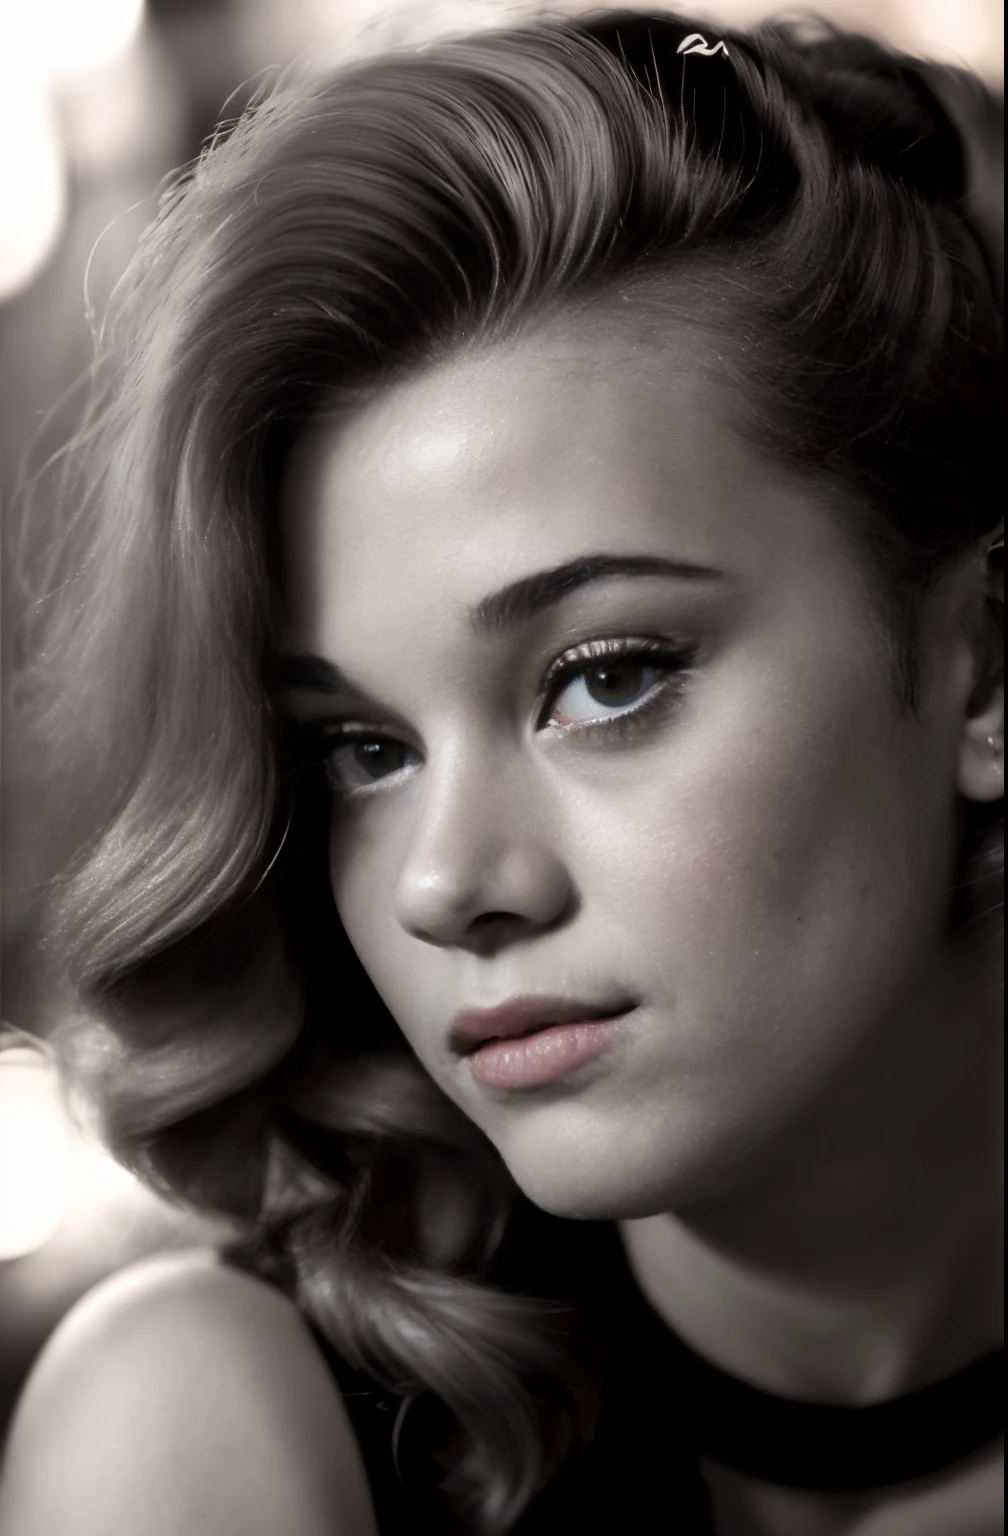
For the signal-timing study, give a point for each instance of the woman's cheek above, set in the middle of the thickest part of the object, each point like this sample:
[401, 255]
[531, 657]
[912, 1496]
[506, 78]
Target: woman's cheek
[746, 887]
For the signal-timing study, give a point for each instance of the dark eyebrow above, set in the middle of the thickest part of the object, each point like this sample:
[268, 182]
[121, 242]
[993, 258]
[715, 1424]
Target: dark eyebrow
[522, 600]
[505, 609]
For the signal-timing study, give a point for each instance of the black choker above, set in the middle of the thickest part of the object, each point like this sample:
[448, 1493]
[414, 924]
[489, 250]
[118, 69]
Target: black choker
[815, 1446]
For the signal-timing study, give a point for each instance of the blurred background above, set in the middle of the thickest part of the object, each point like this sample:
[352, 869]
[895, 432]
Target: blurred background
[100, 100]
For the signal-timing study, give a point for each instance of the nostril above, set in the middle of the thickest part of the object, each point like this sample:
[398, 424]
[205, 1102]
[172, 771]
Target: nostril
[491, 919]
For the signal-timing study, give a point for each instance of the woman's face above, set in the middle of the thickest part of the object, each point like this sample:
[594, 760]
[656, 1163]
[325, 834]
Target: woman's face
[670, 783]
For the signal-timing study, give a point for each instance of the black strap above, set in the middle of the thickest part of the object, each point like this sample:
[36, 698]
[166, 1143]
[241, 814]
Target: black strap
[819, 1446]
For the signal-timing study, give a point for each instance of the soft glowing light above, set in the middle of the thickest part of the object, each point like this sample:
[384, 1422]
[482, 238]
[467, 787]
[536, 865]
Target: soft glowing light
[130, 113]
[36, 1162]
[32, 169]
[85, 35]
[32, 197]
[969, 32]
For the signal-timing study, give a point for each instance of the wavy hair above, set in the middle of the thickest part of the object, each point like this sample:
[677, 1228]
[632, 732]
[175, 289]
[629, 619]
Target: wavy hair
[806, 197]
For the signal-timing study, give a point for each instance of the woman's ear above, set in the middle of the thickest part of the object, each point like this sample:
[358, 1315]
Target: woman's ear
[981, 748]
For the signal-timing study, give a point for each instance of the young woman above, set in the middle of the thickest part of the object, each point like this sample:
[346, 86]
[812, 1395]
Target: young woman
[522, 647]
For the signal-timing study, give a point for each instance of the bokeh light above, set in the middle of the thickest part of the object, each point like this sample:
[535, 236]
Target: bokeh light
[33, 183]
[36, 1160]
[84, 35]
[52, 46]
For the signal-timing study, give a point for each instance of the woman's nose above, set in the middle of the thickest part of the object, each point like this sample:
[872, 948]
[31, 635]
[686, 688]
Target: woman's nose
[481, 864]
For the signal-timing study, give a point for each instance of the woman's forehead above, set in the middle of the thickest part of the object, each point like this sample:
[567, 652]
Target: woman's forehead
[516, 442]
[474, 473]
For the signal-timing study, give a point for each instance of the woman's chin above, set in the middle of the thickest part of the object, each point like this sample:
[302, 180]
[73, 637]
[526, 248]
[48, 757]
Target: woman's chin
[607, 1186]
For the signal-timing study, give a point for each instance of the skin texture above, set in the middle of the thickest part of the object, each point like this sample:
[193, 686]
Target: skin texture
[772, 853]
[800, 1163]
[181, 1396]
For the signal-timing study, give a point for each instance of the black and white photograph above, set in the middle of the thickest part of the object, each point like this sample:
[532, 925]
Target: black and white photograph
[502, 773]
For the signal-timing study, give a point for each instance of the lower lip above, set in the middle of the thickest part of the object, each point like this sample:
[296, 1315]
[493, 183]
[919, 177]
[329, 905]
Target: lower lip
[529, 1060]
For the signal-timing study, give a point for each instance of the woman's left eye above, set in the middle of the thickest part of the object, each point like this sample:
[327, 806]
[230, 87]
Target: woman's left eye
[613, 685]
[599, 688]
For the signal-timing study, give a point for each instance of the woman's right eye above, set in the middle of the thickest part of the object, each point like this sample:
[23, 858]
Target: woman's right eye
[367, 760]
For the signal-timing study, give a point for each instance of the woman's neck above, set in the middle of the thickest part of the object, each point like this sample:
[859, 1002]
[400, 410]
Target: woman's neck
[867, 1261]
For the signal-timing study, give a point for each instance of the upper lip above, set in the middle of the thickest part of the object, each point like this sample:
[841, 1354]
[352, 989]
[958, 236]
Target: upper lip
[473, 1027]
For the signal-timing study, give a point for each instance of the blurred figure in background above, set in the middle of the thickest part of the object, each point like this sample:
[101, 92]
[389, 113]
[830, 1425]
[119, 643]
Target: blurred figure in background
[518, 653]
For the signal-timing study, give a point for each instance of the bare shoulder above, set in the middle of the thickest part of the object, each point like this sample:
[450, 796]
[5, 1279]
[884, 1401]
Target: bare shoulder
[179, 1396]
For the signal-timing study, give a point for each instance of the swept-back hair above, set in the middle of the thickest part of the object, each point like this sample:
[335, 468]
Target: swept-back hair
[805, 196]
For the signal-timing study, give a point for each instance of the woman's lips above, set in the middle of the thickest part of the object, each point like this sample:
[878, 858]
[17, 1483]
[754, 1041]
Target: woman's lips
[532, 1040]
[526, 1061]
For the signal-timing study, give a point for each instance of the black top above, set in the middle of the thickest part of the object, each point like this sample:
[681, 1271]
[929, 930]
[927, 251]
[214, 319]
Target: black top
[662, 1406]
[638, 1474]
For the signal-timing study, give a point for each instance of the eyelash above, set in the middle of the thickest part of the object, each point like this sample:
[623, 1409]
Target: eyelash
[671, 660]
